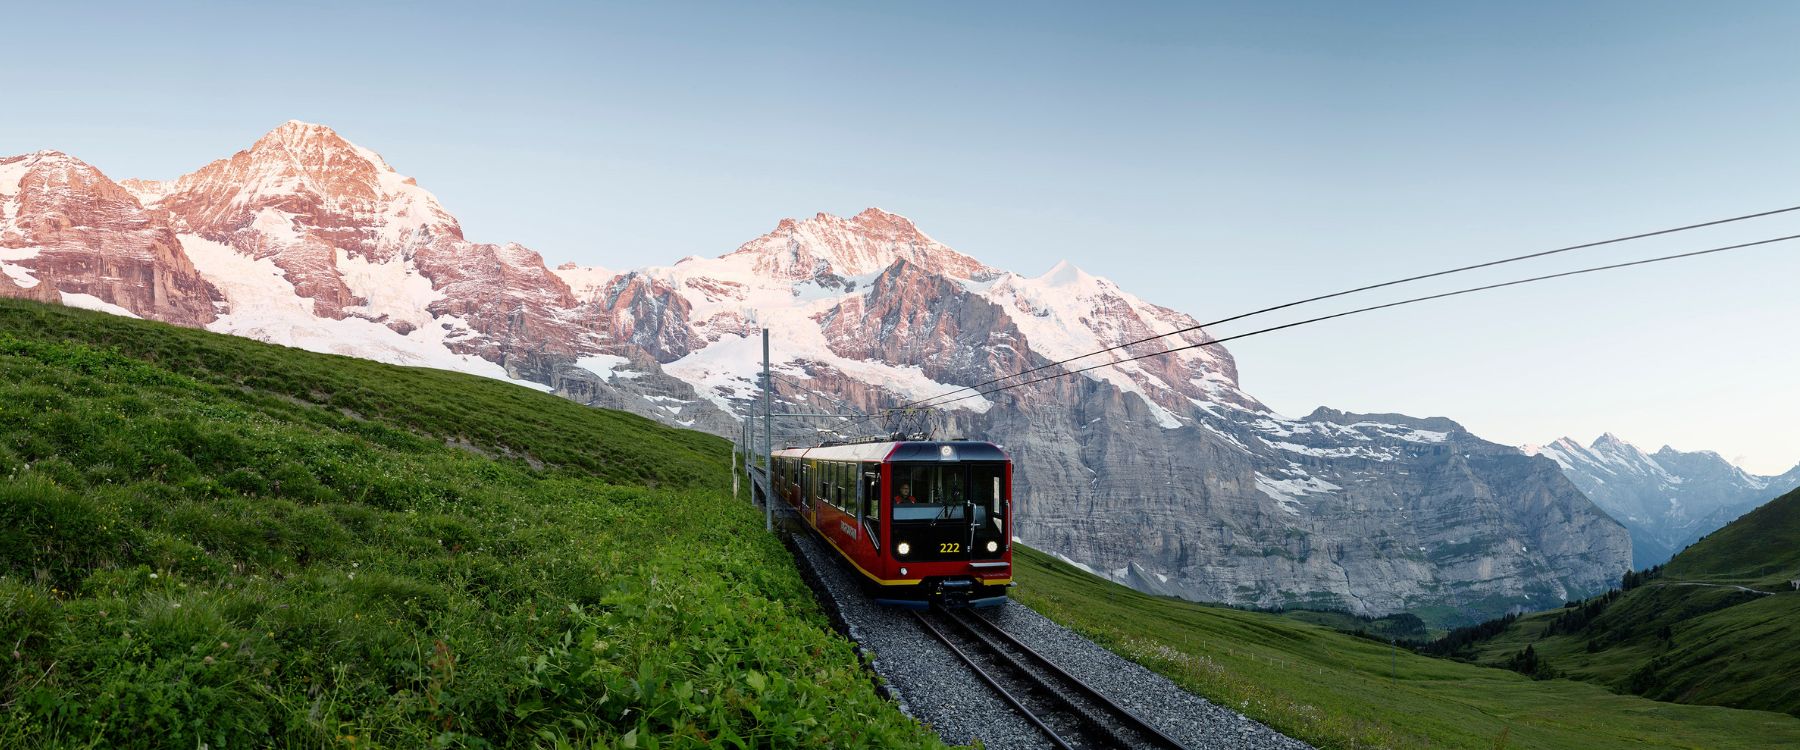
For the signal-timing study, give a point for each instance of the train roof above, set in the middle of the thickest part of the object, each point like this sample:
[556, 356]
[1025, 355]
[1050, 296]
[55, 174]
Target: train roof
[903, 450]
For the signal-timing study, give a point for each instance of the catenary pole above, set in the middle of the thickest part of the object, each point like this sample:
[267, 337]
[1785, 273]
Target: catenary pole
[768, 437]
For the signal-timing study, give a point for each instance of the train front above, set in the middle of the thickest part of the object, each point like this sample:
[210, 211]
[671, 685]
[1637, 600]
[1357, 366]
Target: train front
[950, 522]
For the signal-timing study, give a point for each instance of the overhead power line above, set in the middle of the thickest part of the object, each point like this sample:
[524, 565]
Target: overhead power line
[933, 401]
[1372, 308]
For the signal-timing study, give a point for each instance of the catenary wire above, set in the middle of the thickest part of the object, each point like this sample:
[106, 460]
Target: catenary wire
[1372, 308]
[1489, 264]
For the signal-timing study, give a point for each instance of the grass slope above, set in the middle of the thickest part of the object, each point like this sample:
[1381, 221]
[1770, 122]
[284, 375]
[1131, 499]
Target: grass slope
[1761, 549]
[1339, 691]
[1689, 634]
[207, 541]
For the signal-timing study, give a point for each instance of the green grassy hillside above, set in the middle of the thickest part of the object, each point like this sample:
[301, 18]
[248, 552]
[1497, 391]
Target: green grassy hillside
[1759, 550]
[1338, 691]
[206, 541]
[1697, 632]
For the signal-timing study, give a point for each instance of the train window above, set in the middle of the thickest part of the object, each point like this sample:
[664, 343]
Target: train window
[846, 493]
[837, 485]
[952, 486]
[871, 499]
[929, 492]
[832, 481]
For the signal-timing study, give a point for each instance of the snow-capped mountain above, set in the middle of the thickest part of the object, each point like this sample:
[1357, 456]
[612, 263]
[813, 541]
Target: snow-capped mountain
[1162, 473]
[68, 234]
[1667, 499]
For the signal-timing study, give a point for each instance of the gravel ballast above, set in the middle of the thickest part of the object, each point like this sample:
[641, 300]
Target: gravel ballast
[933, 686]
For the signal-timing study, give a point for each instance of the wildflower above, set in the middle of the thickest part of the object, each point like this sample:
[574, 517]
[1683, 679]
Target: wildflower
[153, 576]
[208, 660]
[178, 605]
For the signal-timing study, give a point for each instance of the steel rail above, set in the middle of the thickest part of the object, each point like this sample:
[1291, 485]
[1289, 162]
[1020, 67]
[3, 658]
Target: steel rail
[1010, 700]
[1124, 715]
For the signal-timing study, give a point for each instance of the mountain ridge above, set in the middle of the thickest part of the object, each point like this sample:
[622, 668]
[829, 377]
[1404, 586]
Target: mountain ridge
[1667, 499]
[1161, 472]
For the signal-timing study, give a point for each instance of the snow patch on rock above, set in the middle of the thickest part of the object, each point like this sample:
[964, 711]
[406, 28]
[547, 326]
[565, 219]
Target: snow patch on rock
[90, 302]
[264, 306]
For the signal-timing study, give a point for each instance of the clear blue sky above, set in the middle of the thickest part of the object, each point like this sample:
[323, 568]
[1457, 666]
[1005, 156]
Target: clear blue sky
[1212, 158]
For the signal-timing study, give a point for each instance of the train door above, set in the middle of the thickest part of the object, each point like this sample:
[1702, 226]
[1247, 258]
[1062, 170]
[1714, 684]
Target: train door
[988, 516]
[809, 489]
[868, 503]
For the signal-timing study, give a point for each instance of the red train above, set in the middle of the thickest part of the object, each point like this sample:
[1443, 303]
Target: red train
[923, 522]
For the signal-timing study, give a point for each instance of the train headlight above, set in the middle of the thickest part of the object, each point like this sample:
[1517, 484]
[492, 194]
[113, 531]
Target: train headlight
[903, 548]
[993, 546]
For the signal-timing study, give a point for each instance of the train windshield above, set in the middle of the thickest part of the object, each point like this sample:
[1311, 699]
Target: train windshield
[947, 492]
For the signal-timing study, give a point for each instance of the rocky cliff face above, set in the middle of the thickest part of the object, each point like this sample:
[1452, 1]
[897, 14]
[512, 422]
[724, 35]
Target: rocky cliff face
[1161, 473]
[1667, 499]
[68, 234]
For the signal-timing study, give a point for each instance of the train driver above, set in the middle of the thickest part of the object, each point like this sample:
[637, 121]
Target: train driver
[905, 495]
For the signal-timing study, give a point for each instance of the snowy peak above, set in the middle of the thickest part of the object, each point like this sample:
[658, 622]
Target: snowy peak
[1616, 451]
[1066, 275]
[300, 183]
[1067, 312]
[1667, 499]
[1564, 451]
[1608, 454]
[831, 246]
[49, 197]
[47, 169]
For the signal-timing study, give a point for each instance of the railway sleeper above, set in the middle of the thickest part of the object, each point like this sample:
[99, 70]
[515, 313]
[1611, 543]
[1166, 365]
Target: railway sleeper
[1095, 728]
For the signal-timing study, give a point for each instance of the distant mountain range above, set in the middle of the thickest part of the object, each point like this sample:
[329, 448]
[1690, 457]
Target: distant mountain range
[1667, 499]
[1161, 473]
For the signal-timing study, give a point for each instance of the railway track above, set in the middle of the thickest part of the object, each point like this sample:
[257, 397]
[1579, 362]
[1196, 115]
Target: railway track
[1071, 714]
